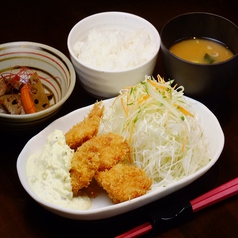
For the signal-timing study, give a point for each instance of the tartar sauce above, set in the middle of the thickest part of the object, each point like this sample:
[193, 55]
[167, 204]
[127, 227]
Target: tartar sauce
[49, 176]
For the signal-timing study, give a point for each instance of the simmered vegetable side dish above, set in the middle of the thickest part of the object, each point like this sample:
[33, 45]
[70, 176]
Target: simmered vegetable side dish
[22, 93]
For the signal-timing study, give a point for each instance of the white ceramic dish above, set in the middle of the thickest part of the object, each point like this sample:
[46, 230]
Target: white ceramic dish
[107, 83]
[102, 206]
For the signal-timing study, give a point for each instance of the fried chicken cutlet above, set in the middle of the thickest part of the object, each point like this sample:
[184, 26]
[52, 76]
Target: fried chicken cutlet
[112, 149]
[84, 164]
[99, 153]
[85, 129]
[123, 182]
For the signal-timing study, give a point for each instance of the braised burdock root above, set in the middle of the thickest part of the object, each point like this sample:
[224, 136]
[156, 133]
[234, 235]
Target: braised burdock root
[86, 129]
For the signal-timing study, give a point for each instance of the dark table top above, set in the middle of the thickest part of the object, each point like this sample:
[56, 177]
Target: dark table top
[49, 22]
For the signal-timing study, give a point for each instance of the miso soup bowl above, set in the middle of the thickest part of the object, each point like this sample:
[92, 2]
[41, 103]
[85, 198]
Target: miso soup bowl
[204, 82]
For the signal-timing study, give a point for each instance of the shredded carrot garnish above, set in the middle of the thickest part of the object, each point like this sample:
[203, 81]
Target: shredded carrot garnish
[162, 87]
[129, 87]
[124, 108]
[27, 102]
[184, 139]
[184, 111]
[158, 86]
[131, 132]
[160, 79]
[143, 99]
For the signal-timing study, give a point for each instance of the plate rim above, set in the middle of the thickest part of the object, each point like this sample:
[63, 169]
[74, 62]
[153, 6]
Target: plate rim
[114, 209]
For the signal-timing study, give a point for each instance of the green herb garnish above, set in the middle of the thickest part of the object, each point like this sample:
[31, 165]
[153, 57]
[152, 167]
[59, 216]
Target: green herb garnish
[208, 58]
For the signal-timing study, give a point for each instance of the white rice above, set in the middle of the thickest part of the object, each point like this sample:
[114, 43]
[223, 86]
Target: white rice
[115, 49]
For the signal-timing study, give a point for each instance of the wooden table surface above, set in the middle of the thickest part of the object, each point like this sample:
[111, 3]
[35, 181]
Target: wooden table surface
[49, 22]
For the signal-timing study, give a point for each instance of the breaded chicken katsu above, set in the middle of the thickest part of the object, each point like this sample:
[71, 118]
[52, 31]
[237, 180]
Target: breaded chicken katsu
[112, 148]
[86, 129]
[84, 164]
[100, 153]
[105, 159]
[123, 182]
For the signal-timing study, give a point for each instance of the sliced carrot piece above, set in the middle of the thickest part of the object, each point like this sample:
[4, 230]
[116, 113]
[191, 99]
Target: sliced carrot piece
[27, 102]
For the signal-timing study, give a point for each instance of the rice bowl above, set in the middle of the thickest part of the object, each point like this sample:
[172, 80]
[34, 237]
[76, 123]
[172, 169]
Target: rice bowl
[105, 83]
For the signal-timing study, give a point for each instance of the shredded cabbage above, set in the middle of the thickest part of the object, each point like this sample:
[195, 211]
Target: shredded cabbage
[162, 129]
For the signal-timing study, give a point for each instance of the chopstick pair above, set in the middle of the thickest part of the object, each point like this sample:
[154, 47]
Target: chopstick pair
[183, 211]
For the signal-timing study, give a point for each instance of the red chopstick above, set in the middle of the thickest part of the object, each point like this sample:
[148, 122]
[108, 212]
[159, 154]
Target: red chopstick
[137, 231]
[215, 195]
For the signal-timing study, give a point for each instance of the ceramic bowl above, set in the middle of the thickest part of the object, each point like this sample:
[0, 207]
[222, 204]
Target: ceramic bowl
[206, 83]
[106, 83]
[102, 206]
[51, 65]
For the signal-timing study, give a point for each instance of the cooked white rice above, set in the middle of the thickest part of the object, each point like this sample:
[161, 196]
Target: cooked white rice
[116, 49]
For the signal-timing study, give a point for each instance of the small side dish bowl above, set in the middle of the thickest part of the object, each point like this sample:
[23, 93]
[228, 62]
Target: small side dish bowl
[55, 72]
[114, 30]
[205, 82]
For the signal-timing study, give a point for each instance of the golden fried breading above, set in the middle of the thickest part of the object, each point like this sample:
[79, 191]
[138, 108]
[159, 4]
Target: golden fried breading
[86, 129]
[99, 153]
[92, 190]
[84, 164]
[123, 182]
[112, 149]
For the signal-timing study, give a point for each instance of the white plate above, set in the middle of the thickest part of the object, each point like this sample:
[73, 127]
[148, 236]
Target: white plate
[102, 207]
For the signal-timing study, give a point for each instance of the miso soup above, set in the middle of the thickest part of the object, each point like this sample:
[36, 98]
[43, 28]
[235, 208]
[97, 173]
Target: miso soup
[201, 50]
